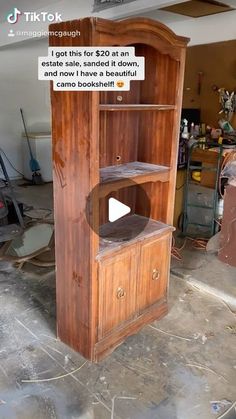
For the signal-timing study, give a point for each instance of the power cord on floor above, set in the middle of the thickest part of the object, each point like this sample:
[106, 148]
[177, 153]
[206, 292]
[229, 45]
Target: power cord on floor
[13, 167]
[197, 243]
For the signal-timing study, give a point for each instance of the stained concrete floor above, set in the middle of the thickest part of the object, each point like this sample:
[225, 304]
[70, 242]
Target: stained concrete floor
[205, 271]
[172, 369]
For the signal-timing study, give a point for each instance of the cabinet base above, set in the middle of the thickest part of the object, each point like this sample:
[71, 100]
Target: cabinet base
[108, 344]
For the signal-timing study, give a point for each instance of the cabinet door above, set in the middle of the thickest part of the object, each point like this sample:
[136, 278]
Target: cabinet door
[117, 290]
[154, 272]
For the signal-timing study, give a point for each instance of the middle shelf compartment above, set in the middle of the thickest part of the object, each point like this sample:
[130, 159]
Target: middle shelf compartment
[129, 230]
[115, 177]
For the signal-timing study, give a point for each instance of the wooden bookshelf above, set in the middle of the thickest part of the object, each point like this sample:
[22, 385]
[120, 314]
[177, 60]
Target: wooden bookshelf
[112, 278]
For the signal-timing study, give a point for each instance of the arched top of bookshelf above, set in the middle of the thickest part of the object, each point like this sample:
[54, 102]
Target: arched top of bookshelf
[140, 30]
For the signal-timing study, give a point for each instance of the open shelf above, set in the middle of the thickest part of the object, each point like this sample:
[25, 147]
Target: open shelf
[135, 107]
[127, 230]
[119, 176]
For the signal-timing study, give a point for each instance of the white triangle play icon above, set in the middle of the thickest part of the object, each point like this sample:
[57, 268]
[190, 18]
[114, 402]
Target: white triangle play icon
[116, 209]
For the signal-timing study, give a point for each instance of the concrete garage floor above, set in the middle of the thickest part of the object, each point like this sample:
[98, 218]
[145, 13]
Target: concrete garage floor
[205, 271]
[172, 369]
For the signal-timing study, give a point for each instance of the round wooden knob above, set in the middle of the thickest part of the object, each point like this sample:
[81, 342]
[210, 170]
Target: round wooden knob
[155, 274]
[120, 293]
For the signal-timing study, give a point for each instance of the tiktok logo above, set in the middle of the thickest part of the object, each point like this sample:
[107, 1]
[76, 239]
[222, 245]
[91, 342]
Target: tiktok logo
[13, 16]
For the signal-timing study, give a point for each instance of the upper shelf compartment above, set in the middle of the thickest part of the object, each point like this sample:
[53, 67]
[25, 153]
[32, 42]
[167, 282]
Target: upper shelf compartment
[135, 107]
[116, 177]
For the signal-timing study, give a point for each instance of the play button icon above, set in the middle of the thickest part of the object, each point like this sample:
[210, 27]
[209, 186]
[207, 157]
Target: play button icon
[116, 209]
[118, 214]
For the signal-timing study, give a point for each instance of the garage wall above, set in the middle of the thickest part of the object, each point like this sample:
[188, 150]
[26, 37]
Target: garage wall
[19, 87]
[218, 63]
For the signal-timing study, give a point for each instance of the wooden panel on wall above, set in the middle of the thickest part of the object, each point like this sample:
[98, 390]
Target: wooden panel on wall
[218, 65]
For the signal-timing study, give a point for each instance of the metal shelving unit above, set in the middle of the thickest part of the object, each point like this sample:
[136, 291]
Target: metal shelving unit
[192, 189]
